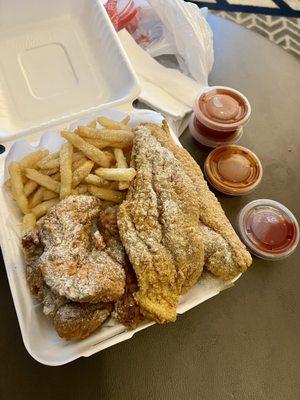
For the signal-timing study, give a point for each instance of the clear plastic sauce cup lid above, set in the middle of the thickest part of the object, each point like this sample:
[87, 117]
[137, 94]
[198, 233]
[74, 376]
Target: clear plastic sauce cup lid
[222, 108]
[233, 169]
[269, 229]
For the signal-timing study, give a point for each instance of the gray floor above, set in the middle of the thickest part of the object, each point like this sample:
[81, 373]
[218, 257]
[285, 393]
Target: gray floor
[281, 30]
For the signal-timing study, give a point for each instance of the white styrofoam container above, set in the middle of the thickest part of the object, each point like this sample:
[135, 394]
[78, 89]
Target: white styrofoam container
[60, 60]
[38, 333]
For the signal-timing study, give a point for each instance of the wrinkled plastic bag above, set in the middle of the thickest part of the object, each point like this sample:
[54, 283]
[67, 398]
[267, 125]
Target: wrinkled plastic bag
[168, 27]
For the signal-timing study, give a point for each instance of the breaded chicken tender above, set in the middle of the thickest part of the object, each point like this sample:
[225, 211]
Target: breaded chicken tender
[72, 264]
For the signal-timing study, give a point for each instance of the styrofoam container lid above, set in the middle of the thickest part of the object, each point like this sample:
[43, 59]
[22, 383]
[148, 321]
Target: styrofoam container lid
[60, 60]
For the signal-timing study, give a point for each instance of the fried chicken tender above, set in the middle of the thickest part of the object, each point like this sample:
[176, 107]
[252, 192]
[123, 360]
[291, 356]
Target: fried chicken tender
[79, 320]
[72, 320]
[33, 249]
[159, 228]
[126, 310]
[225, 255]
[72, 264]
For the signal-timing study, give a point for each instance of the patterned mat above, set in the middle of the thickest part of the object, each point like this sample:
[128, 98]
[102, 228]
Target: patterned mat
[277, 20]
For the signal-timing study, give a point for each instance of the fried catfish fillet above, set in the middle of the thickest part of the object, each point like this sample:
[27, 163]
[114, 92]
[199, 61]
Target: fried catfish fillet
[225, 255]
[159, 228]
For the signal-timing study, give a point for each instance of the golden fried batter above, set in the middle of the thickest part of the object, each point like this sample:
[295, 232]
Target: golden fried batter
[72, 264]
[126, 310]
[159, 228]
[225, 255]
[79, 320]
[73, 320]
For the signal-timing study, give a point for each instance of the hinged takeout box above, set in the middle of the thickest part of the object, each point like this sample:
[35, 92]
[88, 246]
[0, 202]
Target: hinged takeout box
[61, 61]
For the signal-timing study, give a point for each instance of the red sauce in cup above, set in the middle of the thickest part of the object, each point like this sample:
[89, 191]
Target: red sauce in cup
[219, 116]
[269, 229]
[233, 170]
[211, 134]
[223, 106]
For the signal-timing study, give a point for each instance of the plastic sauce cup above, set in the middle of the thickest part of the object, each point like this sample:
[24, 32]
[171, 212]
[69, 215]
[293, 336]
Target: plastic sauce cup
[268, 229]
[219, 116]
[233, 170]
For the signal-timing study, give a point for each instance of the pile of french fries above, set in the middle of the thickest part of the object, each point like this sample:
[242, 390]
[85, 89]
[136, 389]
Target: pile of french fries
[94, 161]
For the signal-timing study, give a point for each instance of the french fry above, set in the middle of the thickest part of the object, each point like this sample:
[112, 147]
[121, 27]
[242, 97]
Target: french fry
[87, 132]
[89, 150]
[106, 194]
[123, 185]
[117, 136]
[29, 222]
[65, 161]
[80, 189]
[17, 186]
[120, 158]
[32, 159]
[92, 124]
[125, 120]
[29, 187]
[40, 178]
[102, 144]
[45, 160]
[95, 180]
[51, 164]
[42, 208]
[43, 180]
[121, 163]
[81, 172]
[79, 163]
[37, 197]
[116, 174]
[48, 195]
[50, 171]
[106, 135]
[110, 156]
[110, 124]
[24, 178]
[77, 156]
[56, 176]
[113, 186]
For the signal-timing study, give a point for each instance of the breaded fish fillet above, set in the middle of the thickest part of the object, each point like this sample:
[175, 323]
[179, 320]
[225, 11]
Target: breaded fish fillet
[225, 255]
[159, 228]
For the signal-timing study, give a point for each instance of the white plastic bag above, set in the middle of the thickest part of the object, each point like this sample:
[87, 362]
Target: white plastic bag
[168, 27]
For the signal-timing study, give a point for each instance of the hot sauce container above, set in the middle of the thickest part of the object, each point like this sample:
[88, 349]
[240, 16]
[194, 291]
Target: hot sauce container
[268, 229]
[233, 170]
[220, 113]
